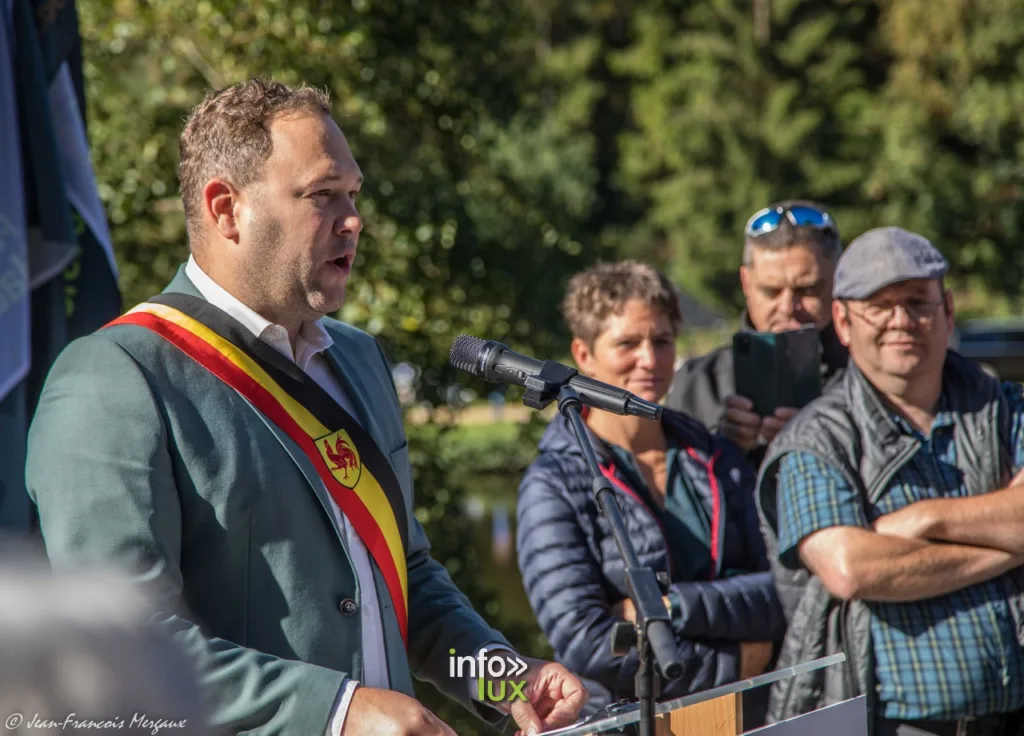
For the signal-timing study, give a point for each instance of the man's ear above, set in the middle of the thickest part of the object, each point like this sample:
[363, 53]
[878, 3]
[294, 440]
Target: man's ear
[950, 310]
[581, 353]
[841, 321]
[220, 200]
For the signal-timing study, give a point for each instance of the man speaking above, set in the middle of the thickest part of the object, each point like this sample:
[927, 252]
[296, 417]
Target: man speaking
[245, 457]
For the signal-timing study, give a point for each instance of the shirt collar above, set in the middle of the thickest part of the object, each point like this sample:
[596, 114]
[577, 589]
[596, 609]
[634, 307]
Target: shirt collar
[313, 336]
[943, 418]
[943, 413]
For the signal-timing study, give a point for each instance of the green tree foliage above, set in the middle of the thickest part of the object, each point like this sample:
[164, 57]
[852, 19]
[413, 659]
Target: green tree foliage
[904, 113]
[950, 125]
[576, 39]
[726, 122]
[506, 144]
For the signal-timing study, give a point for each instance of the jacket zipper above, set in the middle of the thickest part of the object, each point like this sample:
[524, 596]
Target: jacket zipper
[716, 507]
[609, 472]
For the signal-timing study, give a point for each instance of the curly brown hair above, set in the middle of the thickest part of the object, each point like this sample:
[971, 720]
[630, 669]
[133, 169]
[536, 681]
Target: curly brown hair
[600, 291]
[228, 135]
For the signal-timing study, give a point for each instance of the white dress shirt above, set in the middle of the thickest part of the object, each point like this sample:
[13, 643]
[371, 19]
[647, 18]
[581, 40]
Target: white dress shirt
[313, 340]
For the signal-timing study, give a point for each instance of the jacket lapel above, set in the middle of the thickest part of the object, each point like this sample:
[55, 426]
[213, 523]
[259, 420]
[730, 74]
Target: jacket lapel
[344, 358]
[349, 368]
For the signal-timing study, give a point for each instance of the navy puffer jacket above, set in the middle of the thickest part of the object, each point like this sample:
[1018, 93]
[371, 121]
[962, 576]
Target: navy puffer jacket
[573, 572]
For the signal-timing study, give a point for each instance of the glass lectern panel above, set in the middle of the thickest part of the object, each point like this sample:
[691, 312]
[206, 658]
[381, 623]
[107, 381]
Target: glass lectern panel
[616, 716]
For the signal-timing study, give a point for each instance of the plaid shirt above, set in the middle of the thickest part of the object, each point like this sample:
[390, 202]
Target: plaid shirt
[941, 658]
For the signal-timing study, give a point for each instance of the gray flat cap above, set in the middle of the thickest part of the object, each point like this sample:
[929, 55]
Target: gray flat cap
[884, 256]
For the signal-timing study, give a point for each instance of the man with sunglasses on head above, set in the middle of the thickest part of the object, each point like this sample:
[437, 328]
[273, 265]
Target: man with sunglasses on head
[789, 255]
[893, 513]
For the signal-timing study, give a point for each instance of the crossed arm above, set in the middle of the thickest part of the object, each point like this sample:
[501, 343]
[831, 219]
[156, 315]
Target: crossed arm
[930, 548]
[856, 563]
[994, 520]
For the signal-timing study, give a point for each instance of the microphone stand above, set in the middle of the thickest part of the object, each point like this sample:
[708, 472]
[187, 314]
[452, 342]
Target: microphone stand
[651, 634]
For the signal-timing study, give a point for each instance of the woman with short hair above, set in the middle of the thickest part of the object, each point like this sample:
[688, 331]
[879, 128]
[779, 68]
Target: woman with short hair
[686, 498]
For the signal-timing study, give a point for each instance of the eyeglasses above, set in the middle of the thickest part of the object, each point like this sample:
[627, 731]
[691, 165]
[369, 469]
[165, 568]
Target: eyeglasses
[768, 220]
[881, 314]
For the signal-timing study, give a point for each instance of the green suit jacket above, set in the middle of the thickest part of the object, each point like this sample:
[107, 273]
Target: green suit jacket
[139, 456]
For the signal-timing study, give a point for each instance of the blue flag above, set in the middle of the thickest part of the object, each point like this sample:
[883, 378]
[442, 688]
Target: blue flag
[14, 314]
[15, 345]
[70, 274]
[91, 296]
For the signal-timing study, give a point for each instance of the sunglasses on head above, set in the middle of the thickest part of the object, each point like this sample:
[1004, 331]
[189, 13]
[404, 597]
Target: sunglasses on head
[801, 215]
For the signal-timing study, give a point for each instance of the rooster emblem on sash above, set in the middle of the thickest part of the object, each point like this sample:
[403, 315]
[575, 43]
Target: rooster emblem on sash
[339, 452]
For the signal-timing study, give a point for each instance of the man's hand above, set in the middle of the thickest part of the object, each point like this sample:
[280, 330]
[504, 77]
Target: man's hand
[754, 657]
[740, 423]
[376, 712]
[554, 698]
[921, 519]
[772, 425]
[743, 426]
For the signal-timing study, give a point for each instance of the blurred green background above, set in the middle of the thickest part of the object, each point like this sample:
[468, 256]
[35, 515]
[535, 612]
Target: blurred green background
[508, 144]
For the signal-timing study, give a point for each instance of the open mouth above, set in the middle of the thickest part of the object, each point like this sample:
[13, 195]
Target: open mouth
[342, 262]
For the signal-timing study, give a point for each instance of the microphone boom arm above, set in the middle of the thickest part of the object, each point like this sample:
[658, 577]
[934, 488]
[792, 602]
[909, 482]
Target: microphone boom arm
[544, 387]
[651, 633]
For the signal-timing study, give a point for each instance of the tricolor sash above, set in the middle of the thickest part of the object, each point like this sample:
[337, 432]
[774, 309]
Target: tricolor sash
[349, 462]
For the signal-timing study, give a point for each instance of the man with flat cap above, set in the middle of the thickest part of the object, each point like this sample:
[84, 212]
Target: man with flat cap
[894, 513]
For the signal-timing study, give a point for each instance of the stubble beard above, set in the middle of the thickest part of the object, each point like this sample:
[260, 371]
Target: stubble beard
[273, 286]
[318, 301]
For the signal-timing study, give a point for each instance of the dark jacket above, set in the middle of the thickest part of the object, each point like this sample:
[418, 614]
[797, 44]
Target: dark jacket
[702, 384]
[850, 429]
[573, 572]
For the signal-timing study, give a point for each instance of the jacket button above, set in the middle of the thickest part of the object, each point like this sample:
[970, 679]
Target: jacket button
[348, 607]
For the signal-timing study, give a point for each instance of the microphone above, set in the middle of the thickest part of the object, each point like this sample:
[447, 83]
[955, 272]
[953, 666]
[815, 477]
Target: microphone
[495, 362]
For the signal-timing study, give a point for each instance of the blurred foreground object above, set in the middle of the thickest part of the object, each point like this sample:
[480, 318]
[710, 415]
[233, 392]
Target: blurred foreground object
[80, 656]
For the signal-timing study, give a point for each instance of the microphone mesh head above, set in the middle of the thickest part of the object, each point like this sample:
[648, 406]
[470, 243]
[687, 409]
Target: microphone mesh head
[465, 353]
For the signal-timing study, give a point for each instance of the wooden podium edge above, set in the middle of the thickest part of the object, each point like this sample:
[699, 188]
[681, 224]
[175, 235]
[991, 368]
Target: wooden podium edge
[722, 716]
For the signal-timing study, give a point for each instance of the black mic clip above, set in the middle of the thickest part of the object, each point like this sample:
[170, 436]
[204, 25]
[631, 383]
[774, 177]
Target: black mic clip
[542, 388]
